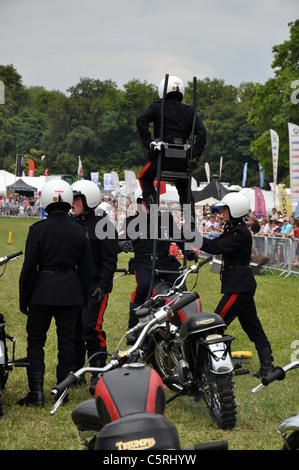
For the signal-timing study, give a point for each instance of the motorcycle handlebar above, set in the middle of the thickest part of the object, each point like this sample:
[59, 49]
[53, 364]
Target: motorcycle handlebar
[5, 259]
[217, 445]
[277, 374]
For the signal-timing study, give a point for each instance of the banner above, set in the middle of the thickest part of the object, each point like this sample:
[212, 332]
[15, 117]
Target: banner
[207, 168]
[244, 175]
[31, 167]
[108, 182]
[294, 161]
[275, 150]
[260, 205]
[19, 164]
[131, 182]
[94, 176]
[285, 202]
[80, 169]
[115, 180]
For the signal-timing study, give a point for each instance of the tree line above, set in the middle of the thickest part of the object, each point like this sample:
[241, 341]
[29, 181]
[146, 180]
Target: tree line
[97, 121]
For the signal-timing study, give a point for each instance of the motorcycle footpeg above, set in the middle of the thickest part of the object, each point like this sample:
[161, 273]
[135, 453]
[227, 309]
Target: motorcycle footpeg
[242, 372]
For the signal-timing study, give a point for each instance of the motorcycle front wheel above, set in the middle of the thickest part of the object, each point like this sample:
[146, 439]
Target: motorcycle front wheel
[292, 441]
[217, 392]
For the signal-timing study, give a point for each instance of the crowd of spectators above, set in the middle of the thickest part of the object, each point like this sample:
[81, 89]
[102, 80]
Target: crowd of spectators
[17, 205]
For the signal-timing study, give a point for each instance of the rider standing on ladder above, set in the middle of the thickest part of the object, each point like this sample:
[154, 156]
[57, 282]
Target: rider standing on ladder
[177, 128]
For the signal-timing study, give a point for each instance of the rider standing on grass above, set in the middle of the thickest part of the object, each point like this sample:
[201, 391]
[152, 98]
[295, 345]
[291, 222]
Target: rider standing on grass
[237, 280]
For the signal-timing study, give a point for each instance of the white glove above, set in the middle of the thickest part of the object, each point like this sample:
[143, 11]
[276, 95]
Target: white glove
[156, 145]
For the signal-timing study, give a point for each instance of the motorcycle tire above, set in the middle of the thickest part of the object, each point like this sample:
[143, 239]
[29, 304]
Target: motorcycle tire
[217, 392]
[3, 376]
[292, 441]
[164, 358]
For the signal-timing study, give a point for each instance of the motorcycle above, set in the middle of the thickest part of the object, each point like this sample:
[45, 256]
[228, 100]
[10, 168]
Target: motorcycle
[127, 412]
[190, 351]
[7, 364]
[289, 427]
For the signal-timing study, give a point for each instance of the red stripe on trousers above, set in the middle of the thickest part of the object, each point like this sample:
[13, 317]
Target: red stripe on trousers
[142, 173]
[228, 305]
[100, 321]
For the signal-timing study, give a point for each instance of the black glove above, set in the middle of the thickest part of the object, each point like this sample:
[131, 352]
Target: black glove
[125, 246]
[192, 165]
[191, 255]
[23, 309]
[97, 295]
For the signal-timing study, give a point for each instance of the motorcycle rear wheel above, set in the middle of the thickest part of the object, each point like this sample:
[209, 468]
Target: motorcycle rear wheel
[164, 357]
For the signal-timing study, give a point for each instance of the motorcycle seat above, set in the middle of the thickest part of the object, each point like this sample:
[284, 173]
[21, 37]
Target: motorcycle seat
[85, 416]
[201, 322]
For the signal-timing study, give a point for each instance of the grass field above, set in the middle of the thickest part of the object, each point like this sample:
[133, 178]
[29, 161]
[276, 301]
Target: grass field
[258, 414]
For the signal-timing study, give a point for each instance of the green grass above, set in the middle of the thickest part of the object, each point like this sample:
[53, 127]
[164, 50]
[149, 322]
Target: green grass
[258, 414]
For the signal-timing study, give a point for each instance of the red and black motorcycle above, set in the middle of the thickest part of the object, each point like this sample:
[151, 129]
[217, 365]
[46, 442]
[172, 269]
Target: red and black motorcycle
[127, 412]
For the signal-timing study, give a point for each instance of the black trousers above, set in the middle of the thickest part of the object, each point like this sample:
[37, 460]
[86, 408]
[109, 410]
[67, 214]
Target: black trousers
[38, 324]
[90, 335]
[242, 305]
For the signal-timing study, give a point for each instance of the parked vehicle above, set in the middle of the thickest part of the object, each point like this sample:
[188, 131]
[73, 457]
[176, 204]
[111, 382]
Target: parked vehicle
[289, 427]
[127, 412]
[7, 364]
[190, 350]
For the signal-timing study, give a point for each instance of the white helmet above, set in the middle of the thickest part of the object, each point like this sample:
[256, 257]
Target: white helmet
[237, 203]
[90, 192]
[56, 192]
[173, 84]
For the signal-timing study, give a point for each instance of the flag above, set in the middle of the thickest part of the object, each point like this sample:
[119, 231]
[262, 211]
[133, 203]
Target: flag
[131, 182]
[244, 175]
[294, 161]
[207, 168]
[220, 168]
[80, 169]
[31, 167]
[94, 176]
[260, 205]
[275, 150]
[285, 202]
[115, 180]
[108, 182]
[262, 176]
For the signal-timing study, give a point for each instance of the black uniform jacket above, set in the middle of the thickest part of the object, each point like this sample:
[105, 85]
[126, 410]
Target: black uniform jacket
[178, 121]
[104, 250]
[235, 244]
[57, 263]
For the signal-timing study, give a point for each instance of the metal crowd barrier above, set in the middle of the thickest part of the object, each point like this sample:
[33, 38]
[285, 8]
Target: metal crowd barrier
[282, 253]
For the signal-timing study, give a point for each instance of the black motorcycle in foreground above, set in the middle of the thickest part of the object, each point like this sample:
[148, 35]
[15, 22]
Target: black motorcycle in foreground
[7, 363]
[190, 351]
[289, 427]
[127, 412]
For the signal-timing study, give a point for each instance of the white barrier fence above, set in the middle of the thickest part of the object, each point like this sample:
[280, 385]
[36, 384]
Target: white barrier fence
[283, 253]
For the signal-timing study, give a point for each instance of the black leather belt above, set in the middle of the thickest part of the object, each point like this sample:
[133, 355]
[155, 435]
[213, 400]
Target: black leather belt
[57, 269]
[159, 255]
[225, 264]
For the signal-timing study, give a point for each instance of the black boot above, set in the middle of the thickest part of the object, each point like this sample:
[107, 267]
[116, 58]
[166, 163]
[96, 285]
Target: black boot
[97, 362]
[265, 357]
[132, 337]
[36, 395]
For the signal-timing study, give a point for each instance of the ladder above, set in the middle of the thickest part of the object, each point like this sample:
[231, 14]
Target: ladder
[172, 150]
